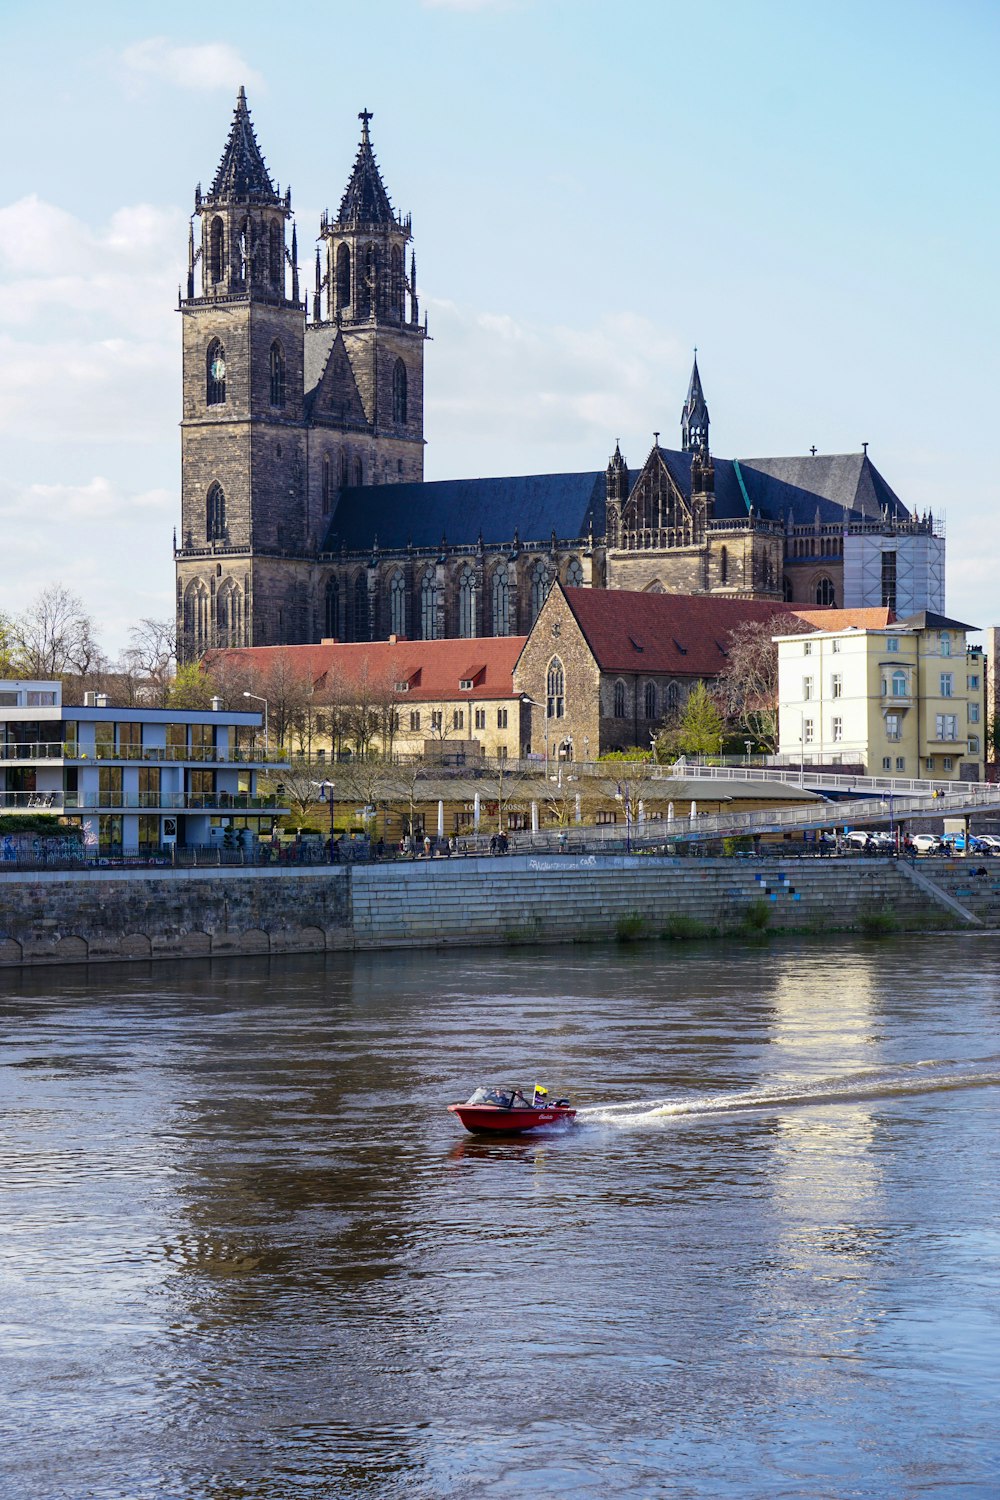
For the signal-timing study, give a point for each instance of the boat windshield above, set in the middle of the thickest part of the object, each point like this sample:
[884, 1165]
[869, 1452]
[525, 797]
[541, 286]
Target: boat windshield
[502, 1098]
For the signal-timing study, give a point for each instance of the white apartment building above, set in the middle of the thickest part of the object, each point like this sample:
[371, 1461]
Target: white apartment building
[906, 699]
[133, 778]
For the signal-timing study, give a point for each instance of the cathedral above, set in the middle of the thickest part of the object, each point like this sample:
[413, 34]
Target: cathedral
[305, 515]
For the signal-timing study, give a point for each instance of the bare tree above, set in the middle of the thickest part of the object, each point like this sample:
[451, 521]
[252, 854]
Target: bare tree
[748, 687]
[149, 658]
[55, 636]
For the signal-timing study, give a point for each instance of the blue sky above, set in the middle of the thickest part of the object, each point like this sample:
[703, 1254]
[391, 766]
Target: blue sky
[806, 192]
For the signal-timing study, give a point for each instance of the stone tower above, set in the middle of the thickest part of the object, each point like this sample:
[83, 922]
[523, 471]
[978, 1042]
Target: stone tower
[243, 442]
[694, 415]
[366, 306]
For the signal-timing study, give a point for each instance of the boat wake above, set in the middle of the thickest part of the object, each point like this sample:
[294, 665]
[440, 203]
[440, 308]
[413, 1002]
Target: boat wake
[870, 1084]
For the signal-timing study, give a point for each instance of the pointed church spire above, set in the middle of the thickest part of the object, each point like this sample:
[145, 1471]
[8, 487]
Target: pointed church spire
[694, 415]
[365, 200]
[295, 265]
[242, 173]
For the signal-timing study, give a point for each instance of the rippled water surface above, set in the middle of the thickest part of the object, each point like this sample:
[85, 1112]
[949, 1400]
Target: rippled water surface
[244, 1251]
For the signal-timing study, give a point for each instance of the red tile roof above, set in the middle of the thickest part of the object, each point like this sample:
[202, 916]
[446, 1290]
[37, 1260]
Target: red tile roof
[433, 668]
[680, 633]
[846, 619]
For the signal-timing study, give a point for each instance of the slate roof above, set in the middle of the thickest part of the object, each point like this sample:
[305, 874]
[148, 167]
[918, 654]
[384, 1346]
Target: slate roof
[927, 620]
[684, 634]
[433, 669]
[242, 173]
[777, 487]
[462, 510]
[365, 199]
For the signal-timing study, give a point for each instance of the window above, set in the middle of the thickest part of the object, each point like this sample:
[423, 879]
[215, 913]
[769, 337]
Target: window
[900, 684]
[973, 713]
[838, 730]
[277, 375]
[343, 276]
[892, 643]
[973, 744]
[723, 566]
[807, 688]
[501, 602]
[945, 643]
[837, 685]
[555, 688]
[215, 374]
[807, 648]
[619, 700]
[887, 762]
[900, 762]
[946, 726]
[893, 727]
[480, 718]
[36, 699]
[397, 603]
[825, 595]
[361, 629]
[458, 719]
[215, 514]
[807, 731]
[649, 700]
[889, 580]
[332, 611]
[972, 683]
[217, 250]
[574, 574]
[539, 588]
[277, 259]
[414, 718]
[359, 472]
[947, 682]
[428, 606]
[947, 763]
[501, 718]
[436, 719]
[399, 393]
[929, 763]
[673, 699]
[467, 602]
[835, 647]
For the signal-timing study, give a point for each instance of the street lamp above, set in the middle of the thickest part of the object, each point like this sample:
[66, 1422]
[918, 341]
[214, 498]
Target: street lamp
[622, 796]
[259, 699]
[749, 747]
[326, 795]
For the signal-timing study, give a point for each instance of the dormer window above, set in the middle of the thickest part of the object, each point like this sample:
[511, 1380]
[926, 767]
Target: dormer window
[466, 684]
[401, 687]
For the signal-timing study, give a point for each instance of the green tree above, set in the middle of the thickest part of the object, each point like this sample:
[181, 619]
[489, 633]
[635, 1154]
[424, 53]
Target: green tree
[700, 728]
[190, 687]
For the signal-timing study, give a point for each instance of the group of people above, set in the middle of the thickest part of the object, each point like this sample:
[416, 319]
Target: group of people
[499, 844]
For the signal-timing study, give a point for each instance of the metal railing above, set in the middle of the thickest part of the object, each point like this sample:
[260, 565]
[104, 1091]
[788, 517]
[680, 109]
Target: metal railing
[215, 802]
[197, 754]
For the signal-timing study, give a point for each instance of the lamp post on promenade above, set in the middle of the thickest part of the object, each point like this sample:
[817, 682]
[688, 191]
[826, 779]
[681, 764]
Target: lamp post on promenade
[326, 795]
[259, 699]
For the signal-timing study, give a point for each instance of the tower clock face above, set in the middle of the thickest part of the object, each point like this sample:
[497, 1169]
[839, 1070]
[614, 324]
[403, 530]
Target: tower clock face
[218, 368]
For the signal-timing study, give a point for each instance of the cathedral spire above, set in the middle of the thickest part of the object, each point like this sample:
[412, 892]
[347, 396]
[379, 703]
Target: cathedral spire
[694, 415]
[242, 174]
[365, 200]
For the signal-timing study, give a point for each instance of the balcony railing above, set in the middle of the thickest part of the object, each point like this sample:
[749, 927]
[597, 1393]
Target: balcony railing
[157, 754]
[213, 802]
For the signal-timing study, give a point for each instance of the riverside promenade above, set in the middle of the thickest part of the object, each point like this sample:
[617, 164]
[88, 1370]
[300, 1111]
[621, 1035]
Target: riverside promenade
[73, 916]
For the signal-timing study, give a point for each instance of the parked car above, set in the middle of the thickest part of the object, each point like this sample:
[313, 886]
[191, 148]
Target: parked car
[859, 838]
[988, 843]
[928, 843]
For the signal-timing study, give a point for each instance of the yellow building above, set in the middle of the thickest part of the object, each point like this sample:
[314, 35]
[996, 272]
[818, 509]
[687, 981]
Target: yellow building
[905, 699]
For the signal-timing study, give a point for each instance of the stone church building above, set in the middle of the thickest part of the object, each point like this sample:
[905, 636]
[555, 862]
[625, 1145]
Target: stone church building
[305, 515]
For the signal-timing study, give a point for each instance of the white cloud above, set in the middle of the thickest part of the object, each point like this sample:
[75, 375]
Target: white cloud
[205, 65]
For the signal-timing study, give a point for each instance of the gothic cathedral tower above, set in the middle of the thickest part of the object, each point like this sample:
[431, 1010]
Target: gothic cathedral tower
[243, 465]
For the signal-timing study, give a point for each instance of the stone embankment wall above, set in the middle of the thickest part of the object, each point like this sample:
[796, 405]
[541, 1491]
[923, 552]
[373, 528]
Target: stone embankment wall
[73, 915]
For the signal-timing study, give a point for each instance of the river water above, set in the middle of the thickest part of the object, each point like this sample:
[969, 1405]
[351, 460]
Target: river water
[245, 1252]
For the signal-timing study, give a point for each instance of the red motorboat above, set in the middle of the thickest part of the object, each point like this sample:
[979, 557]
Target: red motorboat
[509, 1111]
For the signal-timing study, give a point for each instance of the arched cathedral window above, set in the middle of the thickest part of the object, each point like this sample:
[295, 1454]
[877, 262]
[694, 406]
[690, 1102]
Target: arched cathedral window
[399, 394]
[672, 700]
[539, 588]
[359, 472]
[277, 268]
[723, 565]
[215, 374]
[649, 700]
[574, 574]
[332, 609]
[343, 277]
[619, 699]
[397, 281]
[787, 589]
[501, 601]
[277, 375]
[467, 602]
[216, 250]
[215, 514]
[555, 690]
[196, 616]
[824, 592]
[428, 606]
[397, 603]
[361, 631]
[229, 614]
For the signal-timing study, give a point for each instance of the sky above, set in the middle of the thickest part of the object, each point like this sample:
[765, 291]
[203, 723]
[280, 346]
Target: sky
[805, 192]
